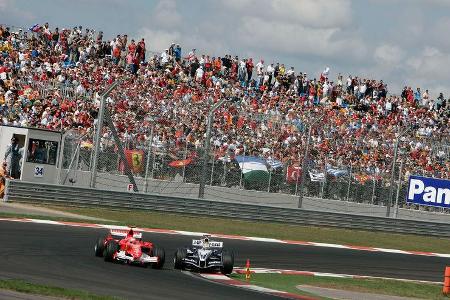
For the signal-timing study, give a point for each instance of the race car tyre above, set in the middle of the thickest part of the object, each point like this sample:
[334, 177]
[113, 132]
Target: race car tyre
[161, 254]
[111, 248]
[178, 258]
[99, 247]
[227, 262]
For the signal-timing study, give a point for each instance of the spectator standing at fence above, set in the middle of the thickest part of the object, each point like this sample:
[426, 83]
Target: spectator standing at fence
[13, 156]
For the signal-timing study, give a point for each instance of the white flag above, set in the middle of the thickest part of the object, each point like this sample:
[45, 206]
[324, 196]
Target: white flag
[317, 176]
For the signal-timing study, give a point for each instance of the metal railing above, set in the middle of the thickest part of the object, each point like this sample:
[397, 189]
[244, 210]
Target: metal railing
[20, 191]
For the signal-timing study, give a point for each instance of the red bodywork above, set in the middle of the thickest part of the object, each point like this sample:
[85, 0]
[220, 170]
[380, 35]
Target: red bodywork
[134, 247]
[131, 245]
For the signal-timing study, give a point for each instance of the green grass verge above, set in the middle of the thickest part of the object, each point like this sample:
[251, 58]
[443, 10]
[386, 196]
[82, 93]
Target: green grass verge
[288, 283]
[262, 229]
[45, 290]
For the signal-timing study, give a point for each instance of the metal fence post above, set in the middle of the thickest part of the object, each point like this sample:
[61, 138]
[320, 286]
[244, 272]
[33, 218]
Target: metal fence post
[61, 157]
[398, 189]
[322, 184]
[225, 171]
[391, 186]
[242, 170]
[77, 160]
[153, 166]
[149, 157]
[201, 189]
[212, 172]
[304, 169]
[98, 135]
[100, 121]
[184, 165]
[91, 155]
[349, 181]
[373, 190]
[298, 175]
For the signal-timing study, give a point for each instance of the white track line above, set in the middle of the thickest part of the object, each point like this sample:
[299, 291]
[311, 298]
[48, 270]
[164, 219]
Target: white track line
[234, 237]
[322, 274]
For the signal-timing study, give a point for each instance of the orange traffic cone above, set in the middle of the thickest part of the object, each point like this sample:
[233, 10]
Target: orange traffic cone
[446, 288]
[247, 269]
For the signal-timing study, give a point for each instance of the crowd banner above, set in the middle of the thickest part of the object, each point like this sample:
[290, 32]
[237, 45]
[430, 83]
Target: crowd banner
[135, 160]
[428, 191]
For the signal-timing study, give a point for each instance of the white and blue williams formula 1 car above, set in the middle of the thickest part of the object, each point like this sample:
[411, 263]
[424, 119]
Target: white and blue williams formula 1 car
[204, 255]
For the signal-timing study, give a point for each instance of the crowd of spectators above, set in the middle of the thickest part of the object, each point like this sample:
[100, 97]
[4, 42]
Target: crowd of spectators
[268, 110]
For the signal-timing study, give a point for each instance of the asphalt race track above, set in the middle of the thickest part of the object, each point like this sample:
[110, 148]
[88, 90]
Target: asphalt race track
[63, 256]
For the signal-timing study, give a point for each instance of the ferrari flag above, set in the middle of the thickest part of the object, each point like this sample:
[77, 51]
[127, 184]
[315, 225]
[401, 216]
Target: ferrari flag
[135, 160]
[180, 163]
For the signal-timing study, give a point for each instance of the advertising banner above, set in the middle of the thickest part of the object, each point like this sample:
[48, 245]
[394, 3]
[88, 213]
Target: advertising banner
[428, 191]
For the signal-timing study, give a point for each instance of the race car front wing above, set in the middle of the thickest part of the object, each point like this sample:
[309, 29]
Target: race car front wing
[203, 264]
[143, 259]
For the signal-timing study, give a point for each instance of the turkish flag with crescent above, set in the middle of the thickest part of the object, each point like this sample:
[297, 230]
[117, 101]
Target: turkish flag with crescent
[293, 174]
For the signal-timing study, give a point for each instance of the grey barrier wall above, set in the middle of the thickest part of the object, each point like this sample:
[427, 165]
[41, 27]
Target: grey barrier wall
[28, 192]
[178, 188]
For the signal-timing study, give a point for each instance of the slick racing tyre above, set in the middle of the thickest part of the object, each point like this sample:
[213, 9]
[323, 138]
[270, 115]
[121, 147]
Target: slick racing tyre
[99, 247]
[111, 248]
[227, 262]
[161, 254]
[178, 258]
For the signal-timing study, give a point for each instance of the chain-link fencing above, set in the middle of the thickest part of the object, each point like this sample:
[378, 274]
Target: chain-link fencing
[163, 158]
[182, 164]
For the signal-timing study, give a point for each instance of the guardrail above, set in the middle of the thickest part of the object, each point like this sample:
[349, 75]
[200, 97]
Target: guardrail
[27, 192]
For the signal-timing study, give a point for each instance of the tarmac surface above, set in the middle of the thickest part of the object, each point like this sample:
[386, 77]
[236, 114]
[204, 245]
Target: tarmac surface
[63, 256]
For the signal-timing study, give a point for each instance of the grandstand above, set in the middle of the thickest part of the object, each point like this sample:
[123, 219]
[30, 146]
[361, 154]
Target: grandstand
[51, 78]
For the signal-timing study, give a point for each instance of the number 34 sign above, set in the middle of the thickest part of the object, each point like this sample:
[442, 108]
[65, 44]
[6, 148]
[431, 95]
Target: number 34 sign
[38, 171]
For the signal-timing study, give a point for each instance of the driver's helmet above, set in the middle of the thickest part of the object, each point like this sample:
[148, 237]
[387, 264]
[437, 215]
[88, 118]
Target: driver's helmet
[130, 233]
[206, 242]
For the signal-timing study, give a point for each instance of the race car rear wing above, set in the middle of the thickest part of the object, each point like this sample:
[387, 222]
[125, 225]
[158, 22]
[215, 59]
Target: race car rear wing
[212, 244]
[124, 233]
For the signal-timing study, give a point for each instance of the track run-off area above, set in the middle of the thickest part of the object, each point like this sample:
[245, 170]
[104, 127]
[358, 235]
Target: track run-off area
[63, 256]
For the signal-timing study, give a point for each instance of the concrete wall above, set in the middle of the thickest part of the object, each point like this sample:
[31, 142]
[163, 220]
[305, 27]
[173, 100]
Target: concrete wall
[179, 189]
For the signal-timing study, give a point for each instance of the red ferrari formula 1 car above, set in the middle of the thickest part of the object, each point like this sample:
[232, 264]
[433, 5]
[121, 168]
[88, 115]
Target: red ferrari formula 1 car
[127, 246]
